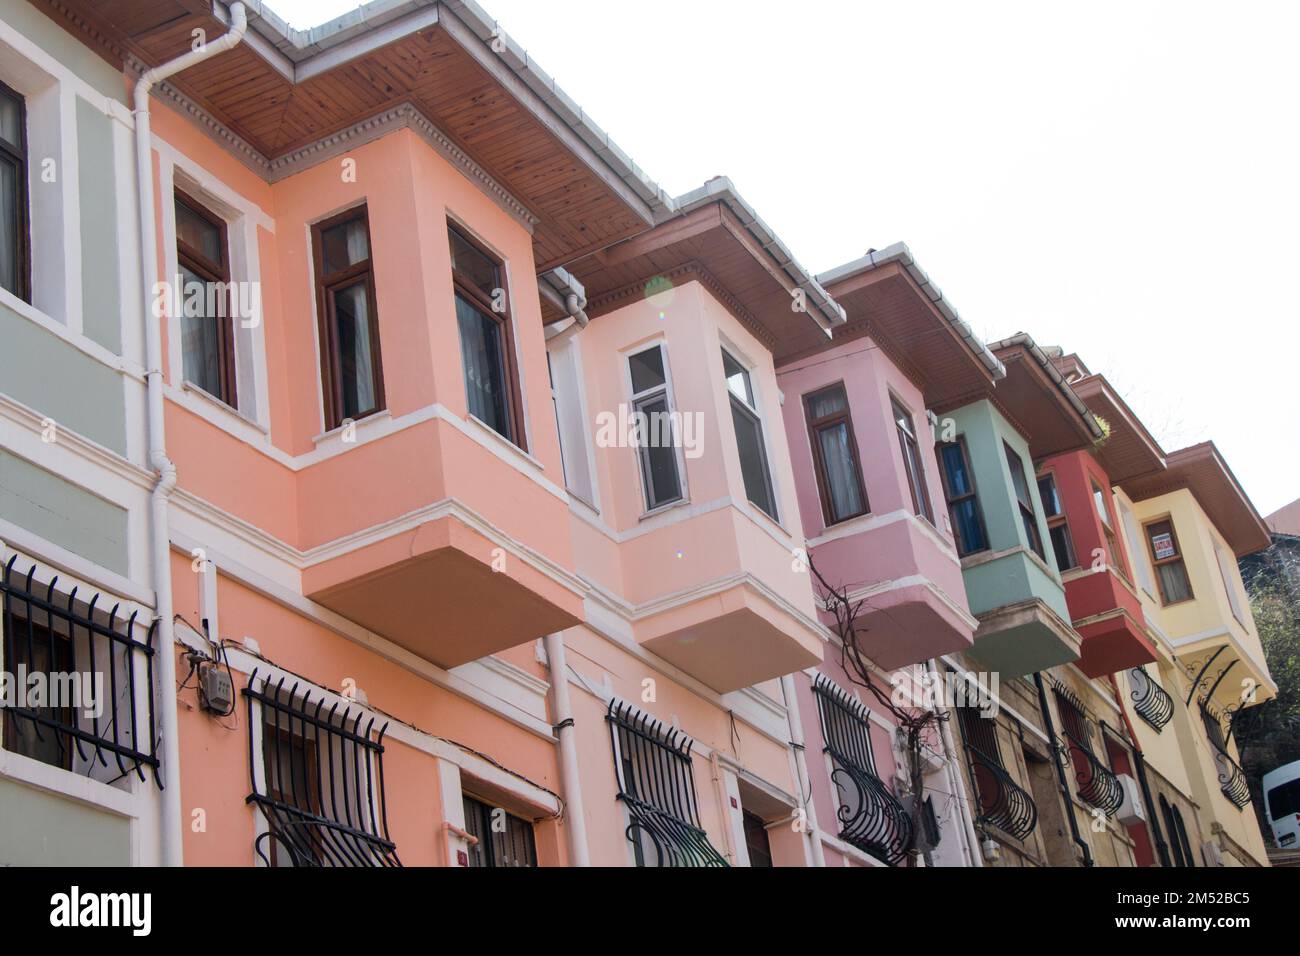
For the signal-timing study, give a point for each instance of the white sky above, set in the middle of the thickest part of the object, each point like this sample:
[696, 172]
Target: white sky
[1121, 179]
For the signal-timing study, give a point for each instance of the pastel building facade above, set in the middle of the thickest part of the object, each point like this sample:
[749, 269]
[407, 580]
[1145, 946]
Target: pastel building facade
[468, 488]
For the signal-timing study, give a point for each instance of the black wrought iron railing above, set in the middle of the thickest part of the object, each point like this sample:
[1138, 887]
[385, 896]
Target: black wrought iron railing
[1232, 780]
[657, 785]
[871, 818]
[1095, 783]
[318, 778]
[1152, 703]
[1003, 803]
[96, 715]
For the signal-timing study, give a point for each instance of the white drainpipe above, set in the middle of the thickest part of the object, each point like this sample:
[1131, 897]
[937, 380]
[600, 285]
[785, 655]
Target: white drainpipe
[570, 781]
[171, 836]
[813, 834]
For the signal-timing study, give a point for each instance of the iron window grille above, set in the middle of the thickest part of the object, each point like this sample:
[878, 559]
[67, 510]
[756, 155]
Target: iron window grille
[318, 778]
[73, 642]
[1096, 784]
[1003, 803]
[1232, 779]
[657, 785]
[1152, 703]
[871, 818]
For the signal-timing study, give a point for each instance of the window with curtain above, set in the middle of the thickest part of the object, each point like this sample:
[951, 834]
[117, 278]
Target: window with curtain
[1058, 527]
[1020, 484]
[963, 505]
[351, 372]
[486, 341]
[15, 247]
[1167, 558]
[206, 321]
[749, 436]
[656, 432]
[911, 450]
[835, 455]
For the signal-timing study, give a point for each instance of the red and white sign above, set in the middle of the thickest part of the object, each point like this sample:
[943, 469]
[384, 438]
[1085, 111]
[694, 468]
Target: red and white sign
[1163, 546]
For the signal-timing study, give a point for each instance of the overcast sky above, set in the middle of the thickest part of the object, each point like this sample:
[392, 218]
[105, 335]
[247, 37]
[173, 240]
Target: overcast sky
[1120, 179]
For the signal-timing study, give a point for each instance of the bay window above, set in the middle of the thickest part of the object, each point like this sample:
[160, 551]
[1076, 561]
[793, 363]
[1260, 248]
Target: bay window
[835, 455]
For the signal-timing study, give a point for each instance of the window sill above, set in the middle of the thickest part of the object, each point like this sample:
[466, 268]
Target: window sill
[229, 411]
[661, 509]
[503, 441]
[369, 422]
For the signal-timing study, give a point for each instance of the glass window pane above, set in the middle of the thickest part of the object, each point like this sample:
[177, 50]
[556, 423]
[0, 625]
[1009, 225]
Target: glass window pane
[737, 380]
[1099, 499]
[827, 402]
[1051, 499]
[902, 418]
[11, 119]
[1063, 548]
[483, 357]
[656, 438]
[1018, 480]
[965, 515]
[954, 464]
[344, 245]
[753, 459]
[1173, 582]
[199, 234]
[10, 237]
[472, 265]
[841, 471]
[200, 339]
[356, 355]
[647, 370]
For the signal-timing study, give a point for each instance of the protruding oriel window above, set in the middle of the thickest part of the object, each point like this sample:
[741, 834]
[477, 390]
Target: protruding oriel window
[749, 435]
[15, 247]
[835, 455]
[351, 372]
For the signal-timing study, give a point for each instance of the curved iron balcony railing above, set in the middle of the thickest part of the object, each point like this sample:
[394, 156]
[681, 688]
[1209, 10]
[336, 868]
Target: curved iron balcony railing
[1232, 780]
[1003, 802]
[871, 818]
[1150, 700]
[1096, 784]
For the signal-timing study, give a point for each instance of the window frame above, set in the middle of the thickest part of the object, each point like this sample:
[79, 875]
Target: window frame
[187, 257]
[750, 411]
[327, 286]
[463, 286]
[1028, 516]
[962, 550]
[1059, 520]
[1102, 503]
[22, 198]
[815, 425]
[913, 465]
[484, 809]
[645, 396]
[1157, 563]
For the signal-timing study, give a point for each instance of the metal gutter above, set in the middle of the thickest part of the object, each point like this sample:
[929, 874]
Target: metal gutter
[721, 189]
[1023, 340]
[900, 254]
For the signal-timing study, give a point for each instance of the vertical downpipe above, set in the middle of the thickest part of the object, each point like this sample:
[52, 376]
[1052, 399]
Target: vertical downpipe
[570, 780]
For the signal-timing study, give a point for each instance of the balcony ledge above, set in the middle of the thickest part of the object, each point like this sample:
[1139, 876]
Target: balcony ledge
[1023, 638]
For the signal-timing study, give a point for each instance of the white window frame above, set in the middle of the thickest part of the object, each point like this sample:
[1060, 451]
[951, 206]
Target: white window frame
[1234, 601]
[756, 408]
[1137, 549]
[570, 400]
[633, 398]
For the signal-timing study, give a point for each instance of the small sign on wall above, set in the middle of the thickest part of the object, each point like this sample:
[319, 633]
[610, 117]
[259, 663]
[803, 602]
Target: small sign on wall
[1163, 546]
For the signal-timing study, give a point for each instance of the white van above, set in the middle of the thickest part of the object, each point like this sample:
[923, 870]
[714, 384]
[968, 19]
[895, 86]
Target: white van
[1282, 804]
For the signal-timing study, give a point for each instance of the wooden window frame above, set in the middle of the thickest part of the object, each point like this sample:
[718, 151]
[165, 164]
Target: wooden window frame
[327, 285]
[1057, 521]
[637, 401]
[485, 808]
[953, 501]
[1109, 521]
[22, 199]
[914, 466]
[465, 287]
[214, 272]
[1026, 508]
[815, 425]
[1157, 563]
